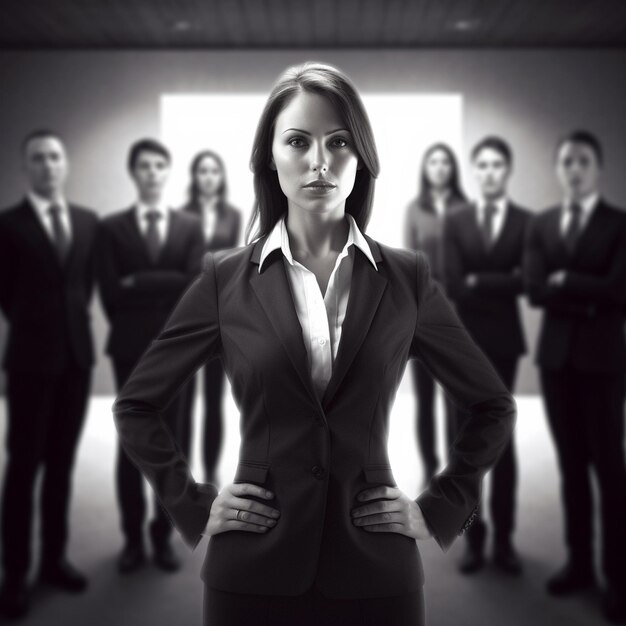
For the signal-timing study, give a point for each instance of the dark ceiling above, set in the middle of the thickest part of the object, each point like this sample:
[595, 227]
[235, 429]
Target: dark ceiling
[311, 23]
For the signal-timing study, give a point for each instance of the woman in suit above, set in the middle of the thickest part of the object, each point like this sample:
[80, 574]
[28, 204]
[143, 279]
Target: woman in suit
[315, 322]
[221, 223]
[440, 193]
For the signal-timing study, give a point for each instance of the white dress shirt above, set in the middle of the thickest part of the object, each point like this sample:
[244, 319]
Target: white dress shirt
[439, 202]
[41, 206]
[498, 217]
[587, 205]
[142, 209]
[321, 316]
[209, 220]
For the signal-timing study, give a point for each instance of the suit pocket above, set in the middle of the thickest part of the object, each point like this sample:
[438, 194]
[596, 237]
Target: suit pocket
[251, 472]
[379, 473]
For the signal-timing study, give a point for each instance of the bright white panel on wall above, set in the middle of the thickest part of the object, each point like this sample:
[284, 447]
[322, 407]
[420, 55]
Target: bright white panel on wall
[404, 126]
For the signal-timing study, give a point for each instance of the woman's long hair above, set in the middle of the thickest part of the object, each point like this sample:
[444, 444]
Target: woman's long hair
[194, 189]
[270, 201]
[424, 197]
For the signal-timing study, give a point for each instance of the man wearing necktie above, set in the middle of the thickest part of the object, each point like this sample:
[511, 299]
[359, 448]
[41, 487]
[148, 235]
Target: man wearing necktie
[147, 255]
[575, 269]
[483, 247]
[47, 256]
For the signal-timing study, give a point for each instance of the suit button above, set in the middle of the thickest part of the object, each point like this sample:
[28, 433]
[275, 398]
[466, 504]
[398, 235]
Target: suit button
[318, 472]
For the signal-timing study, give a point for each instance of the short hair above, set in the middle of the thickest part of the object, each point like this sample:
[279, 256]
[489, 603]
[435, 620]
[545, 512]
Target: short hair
[325, 80]
[494, 143]
[584, 137]
[39, 133]
[147, 145]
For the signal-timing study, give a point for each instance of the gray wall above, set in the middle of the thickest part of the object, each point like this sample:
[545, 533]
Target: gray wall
[100, 101]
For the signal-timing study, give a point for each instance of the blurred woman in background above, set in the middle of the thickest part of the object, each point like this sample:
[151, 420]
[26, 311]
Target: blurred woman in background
[439, 192]
[221, 223]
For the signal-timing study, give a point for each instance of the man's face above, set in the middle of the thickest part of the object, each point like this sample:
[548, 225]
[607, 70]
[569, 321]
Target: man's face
[150, 173]
[492, 172]
[577, 169]
[45, 165]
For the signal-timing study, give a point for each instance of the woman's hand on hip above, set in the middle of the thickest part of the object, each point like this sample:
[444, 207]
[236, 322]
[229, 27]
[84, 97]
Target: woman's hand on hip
[233, 510]
[396, 514]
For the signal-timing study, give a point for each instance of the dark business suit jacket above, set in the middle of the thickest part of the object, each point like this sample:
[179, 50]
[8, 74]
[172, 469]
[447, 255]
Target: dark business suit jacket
[490, 309]
[46, 304]
[423, 230]
[583, 324]
[136, 313]
[227, 227]
[315, 456]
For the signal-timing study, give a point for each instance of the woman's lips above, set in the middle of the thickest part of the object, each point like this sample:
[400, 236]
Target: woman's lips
[319, 187]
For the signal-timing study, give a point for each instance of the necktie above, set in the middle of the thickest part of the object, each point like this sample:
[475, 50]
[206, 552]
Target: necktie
[573, 228]
[153, 238]
[490, 211]
[59, 234]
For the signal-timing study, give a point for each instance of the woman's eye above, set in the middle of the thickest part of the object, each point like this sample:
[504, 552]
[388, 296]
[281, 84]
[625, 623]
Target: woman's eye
[339, 142]
[296, 142]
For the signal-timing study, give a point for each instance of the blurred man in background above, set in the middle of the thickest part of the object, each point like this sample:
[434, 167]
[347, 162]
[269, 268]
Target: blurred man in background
[147, 255]
[575, 269]
[46, 283]
[483, 246]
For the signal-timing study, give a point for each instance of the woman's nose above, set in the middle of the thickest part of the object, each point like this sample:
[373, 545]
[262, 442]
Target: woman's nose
[319, 160]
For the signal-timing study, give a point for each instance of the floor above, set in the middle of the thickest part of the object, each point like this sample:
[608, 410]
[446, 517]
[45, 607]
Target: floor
[159, 599]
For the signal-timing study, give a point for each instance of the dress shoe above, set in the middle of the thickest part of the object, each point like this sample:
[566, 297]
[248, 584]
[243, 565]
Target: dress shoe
[64, 575]
[165, 558]
[14, 599]
[506, 558]
[472, 560]
[570, 579]
[131, 558]
[614, 605]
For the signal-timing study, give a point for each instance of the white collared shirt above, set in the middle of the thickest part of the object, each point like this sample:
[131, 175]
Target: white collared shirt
[142, 221]
[439, 203]
[209, 220]
[587, 205]
[498, 217]
[41, 206]
[321, 317]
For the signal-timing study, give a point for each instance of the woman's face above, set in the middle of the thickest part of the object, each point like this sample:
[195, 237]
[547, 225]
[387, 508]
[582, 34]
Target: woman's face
[313, 153]
[208, 176]
[438, 169]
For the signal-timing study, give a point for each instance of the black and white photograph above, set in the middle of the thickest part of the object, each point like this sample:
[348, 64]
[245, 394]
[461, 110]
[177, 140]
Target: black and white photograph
[313, 313]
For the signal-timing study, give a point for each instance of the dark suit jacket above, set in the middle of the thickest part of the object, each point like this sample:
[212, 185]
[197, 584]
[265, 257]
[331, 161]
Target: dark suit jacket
[227, 228]
[46, 304]
[583, 323]
[315, 456]
[136, 313]
[423, 230]
[490, 309]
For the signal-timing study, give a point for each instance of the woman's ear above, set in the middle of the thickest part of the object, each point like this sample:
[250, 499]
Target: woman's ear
[272, 165]
[359, 165]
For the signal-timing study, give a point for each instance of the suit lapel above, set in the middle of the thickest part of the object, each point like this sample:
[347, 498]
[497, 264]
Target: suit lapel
[505, 237]
[272, 289]
[366, 290]
[475, 232]
[40, 238]
[76, 237]
[172, 237]
[594, 223]
[134, 233]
